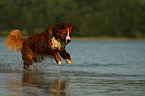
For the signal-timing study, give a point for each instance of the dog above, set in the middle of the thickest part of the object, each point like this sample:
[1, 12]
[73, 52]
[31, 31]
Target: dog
[50, 43]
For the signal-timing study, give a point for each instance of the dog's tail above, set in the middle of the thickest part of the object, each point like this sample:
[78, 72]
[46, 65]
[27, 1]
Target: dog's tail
[14, 41]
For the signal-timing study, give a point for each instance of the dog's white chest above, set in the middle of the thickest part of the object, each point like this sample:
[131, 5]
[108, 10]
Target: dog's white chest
[55, 43]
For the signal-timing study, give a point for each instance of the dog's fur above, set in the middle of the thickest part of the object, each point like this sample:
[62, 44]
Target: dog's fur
[50, 43]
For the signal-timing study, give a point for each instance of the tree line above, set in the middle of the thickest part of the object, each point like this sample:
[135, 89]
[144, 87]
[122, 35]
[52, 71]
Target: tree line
[97, 18]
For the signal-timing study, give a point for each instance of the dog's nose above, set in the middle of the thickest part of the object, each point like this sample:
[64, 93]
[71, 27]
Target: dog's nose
[68, 41]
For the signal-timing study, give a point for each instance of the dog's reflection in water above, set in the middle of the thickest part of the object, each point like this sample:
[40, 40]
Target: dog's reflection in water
[40, 84]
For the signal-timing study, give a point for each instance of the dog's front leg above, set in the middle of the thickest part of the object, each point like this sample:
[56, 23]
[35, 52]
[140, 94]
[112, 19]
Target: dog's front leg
[65, 55]
[57, 58]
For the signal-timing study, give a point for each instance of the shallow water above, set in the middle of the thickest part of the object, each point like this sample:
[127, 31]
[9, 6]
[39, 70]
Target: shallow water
[99, 68]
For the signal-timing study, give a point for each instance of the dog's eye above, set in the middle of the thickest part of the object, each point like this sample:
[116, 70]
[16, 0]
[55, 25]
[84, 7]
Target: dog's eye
[65, 34]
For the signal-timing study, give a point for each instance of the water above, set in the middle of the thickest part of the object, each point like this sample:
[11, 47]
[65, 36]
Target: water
[99, 68]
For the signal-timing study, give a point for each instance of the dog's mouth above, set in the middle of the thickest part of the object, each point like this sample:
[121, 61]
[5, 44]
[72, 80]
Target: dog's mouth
[64, 41]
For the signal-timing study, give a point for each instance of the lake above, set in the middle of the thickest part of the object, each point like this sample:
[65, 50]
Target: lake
[98, 68]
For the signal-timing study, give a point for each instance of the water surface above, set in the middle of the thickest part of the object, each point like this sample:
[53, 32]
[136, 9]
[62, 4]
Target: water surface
[99, 68]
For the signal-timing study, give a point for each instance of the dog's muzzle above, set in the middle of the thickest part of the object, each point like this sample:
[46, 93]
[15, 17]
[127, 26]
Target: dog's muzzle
[68, 40]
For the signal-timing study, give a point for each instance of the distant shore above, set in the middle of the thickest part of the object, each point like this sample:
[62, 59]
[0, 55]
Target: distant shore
[100, 38]
[107, 39]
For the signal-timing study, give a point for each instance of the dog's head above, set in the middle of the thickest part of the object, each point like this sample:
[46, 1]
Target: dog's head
[62, 32]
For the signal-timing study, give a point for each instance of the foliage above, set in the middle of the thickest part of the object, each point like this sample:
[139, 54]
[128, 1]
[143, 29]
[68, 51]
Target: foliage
[115, 18]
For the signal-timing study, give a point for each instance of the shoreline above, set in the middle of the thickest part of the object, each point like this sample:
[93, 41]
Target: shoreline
[107, 39]
[99, 38]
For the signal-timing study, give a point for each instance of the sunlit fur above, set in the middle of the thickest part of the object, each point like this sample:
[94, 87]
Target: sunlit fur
[14, 41]
[50, 43]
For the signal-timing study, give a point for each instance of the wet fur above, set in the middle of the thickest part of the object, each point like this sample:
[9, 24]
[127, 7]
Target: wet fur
[36, 46]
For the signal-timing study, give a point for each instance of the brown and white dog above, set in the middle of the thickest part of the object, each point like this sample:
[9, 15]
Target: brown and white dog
[50, 43]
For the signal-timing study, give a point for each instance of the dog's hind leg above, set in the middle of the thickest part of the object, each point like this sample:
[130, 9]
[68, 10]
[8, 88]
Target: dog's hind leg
[27, 56]
[27, 60]
[27, 63]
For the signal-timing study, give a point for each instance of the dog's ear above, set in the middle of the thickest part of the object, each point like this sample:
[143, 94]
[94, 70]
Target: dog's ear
[55, 30]
[58, 26]
[62, 26]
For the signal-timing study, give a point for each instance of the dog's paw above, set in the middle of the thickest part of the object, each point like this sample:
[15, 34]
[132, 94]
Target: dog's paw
[68, 61]
[59, 63]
